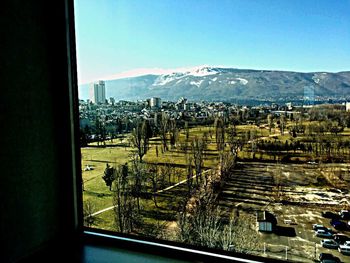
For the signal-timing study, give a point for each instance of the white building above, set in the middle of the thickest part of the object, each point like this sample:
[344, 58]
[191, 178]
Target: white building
[98, 92]
[347, 106]
[155, 102]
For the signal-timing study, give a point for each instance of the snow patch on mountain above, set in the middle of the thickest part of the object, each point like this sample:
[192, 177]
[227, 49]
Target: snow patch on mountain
[236, 80]
[165, 79]
[316, 80]
[214, 79]
[201, 71]
[317, 77]
[242, 81]
[196, 83]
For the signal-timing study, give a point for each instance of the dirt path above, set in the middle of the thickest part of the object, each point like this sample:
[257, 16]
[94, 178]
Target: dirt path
[159, 191]
[101, 211]
[179, 183]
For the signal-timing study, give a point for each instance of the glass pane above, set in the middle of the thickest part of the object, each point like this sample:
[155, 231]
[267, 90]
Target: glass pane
[220, 124]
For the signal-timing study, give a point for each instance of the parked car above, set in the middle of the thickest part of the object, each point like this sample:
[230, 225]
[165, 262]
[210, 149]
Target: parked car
[344, 249]
[323, 233]
[331, 215]
[340, 238]
[318, 226]
[339, 225]
[328, 258]
[344, 214]
[329, 243]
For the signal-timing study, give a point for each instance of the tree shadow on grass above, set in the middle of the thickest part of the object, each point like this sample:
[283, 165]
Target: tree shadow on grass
[169, 164]
[97, 194]
[99, 161]
[285, 231]
[176, 165]
[174, 192]
[156, 214]
[120, 145]
[93, 222]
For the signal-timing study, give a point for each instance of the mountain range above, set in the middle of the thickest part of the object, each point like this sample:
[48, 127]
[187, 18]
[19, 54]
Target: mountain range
[219, 83]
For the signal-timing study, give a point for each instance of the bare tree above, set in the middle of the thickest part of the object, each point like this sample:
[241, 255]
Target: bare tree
[227, 163]
[189, 174]
[88, 211]
[277, 180]
[208, 226]
[165, 171]
[282, 123]
[163, 130]
[140, 138]
[201, 225]
[220, 133]
[198, 147]
[138, 172]
[174, 133]
[235, 142]
[126, 213]
[153, 178]
[187, 131]
[253, 136]
[270, 122]
[240, 236]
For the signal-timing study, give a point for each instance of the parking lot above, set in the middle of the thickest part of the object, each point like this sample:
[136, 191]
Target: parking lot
[302, 198]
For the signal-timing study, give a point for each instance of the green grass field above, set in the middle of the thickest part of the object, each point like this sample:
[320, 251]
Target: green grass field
[118, 152]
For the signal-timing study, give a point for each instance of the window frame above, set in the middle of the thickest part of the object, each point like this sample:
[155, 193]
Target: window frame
[105, 238]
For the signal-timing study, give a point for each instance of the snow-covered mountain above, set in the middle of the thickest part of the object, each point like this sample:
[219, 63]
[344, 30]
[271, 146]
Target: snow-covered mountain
[219, 83]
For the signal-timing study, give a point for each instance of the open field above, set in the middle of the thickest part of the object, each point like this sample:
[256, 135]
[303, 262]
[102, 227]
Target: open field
[119, 152]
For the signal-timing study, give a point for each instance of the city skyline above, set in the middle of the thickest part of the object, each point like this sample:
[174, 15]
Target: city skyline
[115, 37]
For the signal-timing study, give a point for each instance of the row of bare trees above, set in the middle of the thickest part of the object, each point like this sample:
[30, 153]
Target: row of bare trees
[201, 221]
[130, 184]
[141, 134]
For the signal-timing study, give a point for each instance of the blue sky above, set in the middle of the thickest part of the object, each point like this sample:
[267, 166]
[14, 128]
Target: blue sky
[300, 35]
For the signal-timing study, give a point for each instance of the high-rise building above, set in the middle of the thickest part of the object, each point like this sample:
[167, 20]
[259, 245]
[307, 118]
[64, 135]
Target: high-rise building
[155, 102]
[98, 92]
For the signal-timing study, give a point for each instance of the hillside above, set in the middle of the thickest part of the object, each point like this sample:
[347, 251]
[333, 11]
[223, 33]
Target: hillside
[214, 83]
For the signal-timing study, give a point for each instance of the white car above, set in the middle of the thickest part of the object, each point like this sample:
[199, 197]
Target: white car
[344, 249]
[318, 226]
[329, 243]
[322, 233]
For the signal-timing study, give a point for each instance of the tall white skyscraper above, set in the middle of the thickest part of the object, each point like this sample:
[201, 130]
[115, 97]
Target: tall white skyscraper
[155, 102]
[98, 92]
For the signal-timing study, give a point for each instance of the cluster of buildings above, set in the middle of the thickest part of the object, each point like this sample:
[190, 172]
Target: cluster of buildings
[111, 112]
